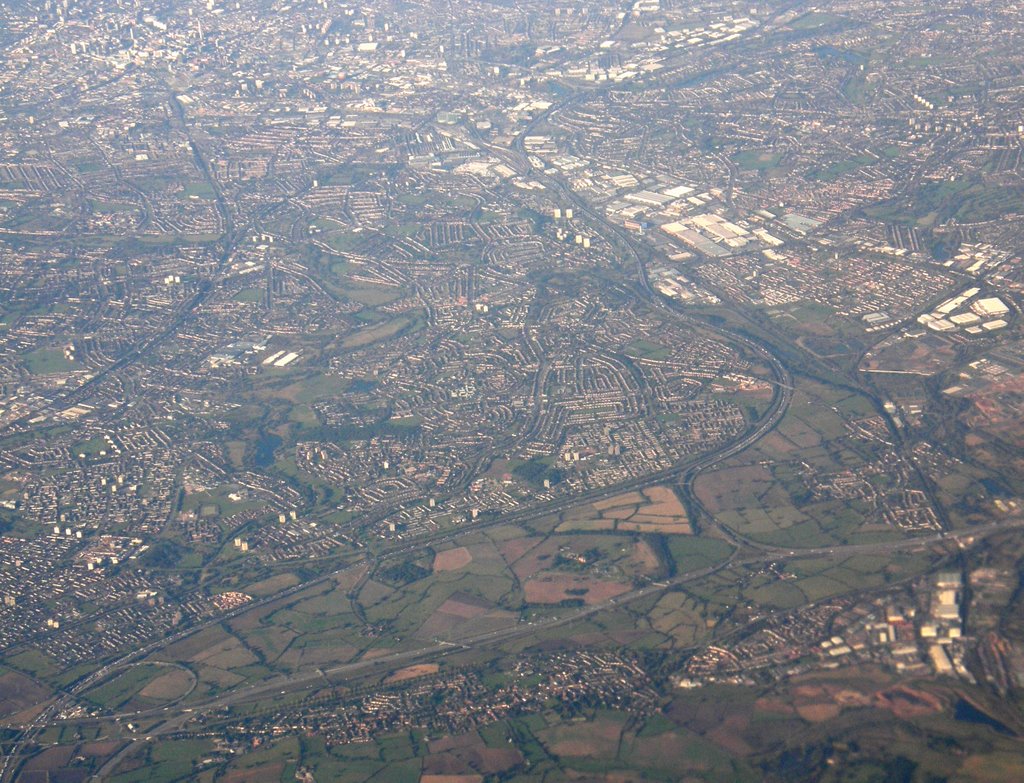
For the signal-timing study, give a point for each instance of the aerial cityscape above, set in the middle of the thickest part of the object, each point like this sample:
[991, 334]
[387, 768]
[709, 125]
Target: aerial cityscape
[461, 392]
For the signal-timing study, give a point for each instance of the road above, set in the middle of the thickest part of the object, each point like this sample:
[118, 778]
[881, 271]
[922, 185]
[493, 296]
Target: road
[174, 719]
[685, 472]
[517, 159]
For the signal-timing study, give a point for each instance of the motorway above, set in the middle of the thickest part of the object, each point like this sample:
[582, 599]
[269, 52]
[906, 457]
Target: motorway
[516, 158]
[173, 719]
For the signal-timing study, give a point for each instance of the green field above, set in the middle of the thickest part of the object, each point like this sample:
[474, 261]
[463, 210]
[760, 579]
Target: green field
[200, 190]
[124, 687]
[757, 160]
[47, 361]
[374, 334]
[249, 295]
[91, 447]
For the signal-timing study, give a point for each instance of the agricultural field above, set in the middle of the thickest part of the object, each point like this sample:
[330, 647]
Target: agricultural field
[651, 510]
[599, 741]
[863, 718]
[742, 589]
[142, 686]
[19, 693]
[823, 476]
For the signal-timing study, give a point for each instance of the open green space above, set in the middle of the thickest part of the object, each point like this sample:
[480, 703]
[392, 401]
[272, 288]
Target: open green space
[819, 21]
[757, 160]
[47, 361]
[402, 324]
[200, 190]
[966, 200]
[91, 447]
[141, 686]
[249, 295]
[645, 349]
